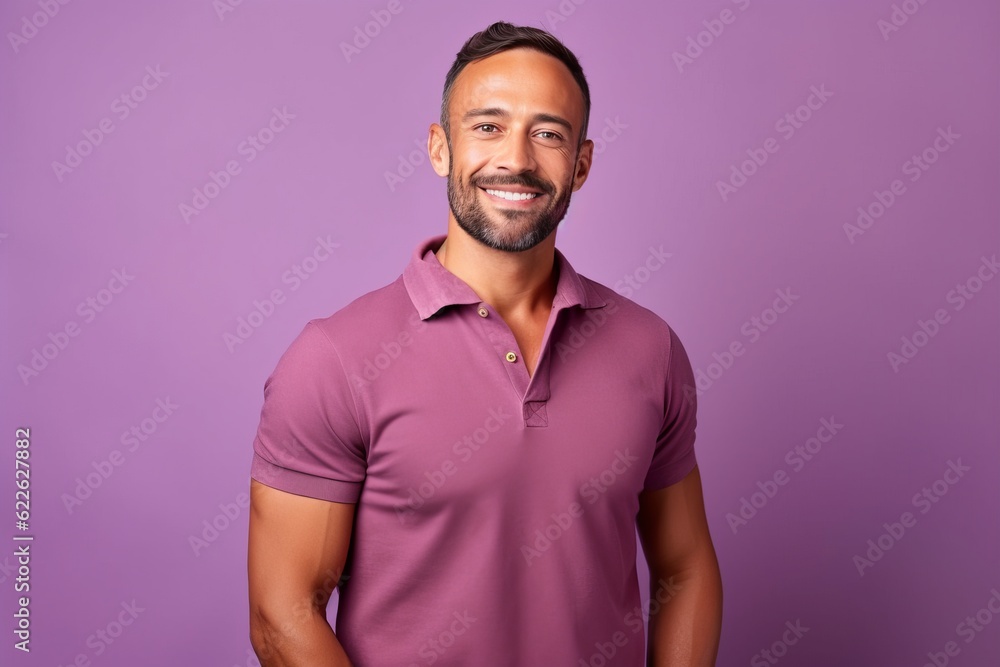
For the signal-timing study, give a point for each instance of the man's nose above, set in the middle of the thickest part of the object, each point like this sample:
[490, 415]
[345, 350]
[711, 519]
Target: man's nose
[516, 153]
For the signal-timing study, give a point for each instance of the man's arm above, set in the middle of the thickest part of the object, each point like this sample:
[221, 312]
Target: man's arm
[674, 534]
[297, 550]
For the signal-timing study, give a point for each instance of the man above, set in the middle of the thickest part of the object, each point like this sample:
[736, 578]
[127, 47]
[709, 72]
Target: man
[467, 452]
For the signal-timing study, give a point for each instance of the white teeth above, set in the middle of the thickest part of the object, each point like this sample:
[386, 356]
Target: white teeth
[513, 196]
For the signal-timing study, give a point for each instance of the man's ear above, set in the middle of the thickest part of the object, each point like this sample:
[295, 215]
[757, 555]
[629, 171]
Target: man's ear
[583, 161]
[437, 149]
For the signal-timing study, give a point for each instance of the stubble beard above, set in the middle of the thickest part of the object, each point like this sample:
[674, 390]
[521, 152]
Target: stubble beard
[517, 230]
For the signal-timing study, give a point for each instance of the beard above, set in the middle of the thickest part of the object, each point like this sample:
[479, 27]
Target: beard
[506, 229]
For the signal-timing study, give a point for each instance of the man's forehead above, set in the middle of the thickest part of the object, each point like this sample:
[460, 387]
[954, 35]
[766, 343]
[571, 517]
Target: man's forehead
[515, 76]
[519, 70]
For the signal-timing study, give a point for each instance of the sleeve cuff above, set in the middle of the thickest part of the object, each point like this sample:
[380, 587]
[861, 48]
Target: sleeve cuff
[303, 484]
[671, 473]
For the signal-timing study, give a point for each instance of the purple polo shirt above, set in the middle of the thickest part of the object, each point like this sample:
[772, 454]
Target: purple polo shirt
[495, 521]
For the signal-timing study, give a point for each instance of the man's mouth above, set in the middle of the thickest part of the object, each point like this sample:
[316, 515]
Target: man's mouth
[512, 195]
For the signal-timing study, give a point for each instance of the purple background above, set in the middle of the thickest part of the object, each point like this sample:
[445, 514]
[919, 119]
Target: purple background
[680, 130]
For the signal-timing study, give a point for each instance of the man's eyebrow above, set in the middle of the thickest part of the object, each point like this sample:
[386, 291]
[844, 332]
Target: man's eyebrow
[497, 112]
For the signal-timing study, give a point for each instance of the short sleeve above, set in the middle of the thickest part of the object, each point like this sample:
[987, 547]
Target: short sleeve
[674, 456]
[309, 441]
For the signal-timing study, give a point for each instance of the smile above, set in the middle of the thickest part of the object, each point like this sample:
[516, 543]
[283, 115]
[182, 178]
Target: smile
[511, 196]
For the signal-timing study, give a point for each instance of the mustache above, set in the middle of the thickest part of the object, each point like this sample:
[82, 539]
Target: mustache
[524, 181]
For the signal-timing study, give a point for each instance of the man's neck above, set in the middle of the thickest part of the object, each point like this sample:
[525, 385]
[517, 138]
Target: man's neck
[519, 285]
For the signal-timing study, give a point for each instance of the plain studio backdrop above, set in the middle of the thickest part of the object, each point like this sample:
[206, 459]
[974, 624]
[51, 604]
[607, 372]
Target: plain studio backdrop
[805, 191]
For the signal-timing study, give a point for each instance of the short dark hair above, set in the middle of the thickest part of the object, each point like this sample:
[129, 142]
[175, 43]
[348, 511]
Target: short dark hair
[502, 36]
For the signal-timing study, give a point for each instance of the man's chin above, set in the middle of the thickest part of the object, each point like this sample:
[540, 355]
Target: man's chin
[502, 237]
[522, 240]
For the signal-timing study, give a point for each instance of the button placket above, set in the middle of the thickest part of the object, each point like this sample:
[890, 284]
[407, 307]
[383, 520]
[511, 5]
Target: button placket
[532, 391]
[505, 346]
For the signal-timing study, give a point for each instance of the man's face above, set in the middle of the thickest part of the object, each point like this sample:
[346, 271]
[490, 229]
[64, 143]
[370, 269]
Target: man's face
[513, 161]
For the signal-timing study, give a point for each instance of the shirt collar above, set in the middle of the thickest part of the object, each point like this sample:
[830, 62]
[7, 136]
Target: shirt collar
[432, 287]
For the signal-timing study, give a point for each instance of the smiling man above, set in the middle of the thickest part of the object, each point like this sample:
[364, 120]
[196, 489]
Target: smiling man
[467, 452]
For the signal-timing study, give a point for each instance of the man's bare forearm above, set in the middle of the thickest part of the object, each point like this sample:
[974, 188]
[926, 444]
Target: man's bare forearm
[685, 631]
[303, 642]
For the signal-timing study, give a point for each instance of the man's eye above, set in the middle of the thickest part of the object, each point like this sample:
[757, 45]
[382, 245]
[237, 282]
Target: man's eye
[487, 125]
[552, 135]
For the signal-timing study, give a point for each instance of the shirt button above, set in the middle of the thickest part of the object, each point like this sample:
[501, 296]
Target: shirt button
[483, 312]
[511, 357]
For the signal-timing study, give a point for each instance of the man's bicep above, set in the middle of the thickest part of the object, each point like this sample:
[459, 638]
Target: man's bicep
[297, 550]
[672, 525]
